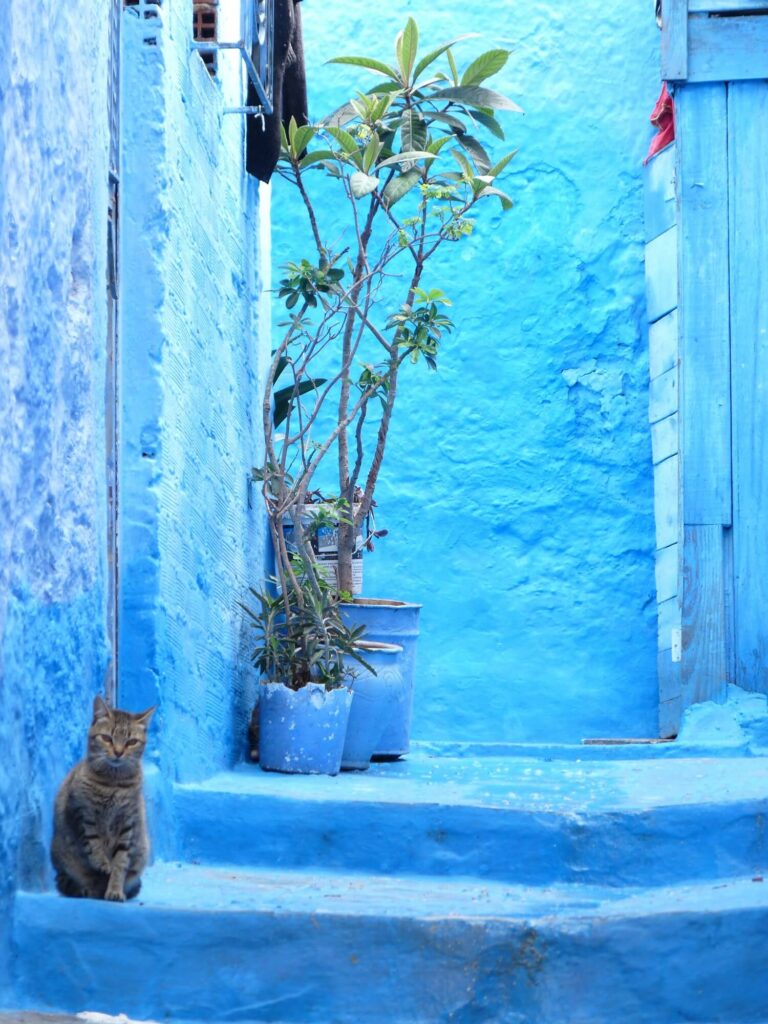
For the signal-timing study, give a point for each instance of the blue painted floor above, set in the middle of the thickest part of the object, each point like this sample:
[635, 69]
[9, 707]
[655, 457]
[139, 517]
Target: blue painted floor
[579, 887]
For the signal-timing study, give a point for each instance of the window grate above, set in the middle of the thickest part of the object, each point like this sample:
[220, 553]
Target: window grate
[205, 28]
[257, 24]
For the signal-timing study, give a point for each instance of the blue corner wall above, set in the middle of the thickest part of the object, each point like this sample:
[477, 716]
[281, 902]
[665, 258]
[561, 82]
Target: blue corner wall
[53, 492]
[517, 487]
[190, 541]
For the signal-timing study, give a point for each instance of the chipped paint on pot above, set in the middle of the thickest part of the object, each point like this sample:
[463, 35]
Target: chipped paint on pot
[302, 731]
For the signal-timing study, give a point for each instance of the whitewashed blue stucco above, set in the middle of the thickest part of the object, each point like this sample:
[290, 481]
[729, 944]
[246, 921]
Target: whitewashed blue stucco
[517, 487]
[53, 202]
[192, 535]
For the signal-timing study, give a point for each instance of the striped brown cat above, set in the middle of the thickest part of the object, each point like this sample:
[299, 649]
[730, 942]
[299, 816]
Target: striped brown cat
[100, 843]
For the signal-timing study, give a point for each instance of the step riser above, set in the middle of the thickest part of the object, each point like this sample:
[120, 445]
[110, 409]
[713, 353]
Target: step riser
[321, 968]
[658, 847]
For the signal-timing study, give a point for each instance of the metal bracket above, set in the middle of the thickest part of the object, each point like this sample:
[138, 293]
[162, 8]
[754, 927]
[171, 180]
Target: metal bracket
[257, 24]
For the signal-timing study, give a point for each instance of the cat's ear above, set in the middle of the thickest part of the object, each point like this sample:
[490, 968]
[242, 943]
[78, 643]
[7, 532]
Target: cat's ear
[100, 709]
[144, 717]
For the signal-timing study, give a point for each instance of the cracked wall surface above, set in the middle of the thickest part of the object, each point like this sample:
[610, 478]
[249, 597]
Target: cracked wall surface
[517, 487]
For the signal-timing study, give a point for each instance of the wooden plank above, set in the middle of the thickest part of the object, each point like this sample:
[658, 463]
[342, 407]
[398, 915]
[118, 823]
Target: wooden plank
[748, 168]
[666, 501]
[670, 714]
[704, 673]
[670, 626]
[665, 437]
[659, 193]
[705, 428]
[661, 274]
[667, 573]
[674, 41]
[725, 6]
[727, 49]
[663, 344]
[662, 396]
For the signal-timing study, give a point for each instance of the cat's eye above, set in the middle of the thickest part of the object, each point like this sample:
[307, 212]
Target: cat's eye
[131, 742]
[105, 737]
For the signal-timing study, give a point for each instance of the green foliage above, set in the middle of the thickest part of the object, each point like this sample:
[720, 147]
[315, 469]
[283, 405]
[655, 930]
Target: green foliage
[410, 156]
[419, 329]
[300, 636]
[307, 282]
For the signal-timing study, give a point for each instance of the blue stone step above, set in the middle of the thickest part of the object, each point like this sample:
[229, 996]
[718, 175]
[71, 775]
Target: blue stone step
[521, 820]
[215, 944]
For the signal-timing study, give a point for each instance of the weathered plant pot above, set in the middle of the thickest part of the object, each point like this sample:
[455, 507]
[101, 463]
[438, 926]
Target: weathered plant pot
[391, 622]
[377, 696]
[302, 731]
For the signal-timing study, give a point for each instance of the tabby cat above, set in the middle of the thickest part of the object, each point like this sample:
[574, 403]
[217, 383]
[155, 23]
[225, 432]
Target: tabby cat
[100, 843]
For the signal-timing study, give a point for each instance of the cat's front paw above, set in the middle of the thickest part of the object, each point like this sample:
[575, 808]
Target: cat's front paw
[115, 895]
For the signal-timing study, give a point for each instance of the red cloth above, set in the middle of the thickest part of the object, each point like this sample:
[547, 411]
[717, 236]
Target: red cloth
[663, 117]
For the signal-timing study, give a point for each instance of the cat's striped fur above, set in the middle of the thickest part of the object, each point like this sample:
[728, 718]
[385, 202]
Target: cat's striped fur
[100, 843]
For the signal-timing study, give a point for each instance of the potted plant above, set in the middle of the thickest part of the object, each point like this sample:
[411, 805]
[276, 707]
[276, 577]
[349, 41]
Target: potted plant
[306, 657]
[386, 182]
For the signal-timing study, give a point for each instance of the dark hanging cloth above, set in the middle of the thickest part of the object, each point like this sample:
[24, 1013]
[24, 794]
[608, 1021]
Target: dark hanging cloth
[262, 141]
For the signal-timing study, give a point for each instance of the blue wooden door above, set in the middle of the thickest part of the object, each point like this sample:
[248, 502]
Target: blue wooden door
[707, 287]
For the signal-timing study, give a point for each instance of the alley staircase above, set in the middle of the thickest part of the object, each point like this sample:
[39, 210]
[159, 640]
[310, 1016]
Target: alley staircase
[579, 885]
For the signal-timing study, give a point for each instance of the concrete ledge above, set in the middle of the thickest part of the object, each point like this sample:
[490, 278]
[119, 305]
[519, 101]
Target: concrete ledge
[212, 945]
[614, 823]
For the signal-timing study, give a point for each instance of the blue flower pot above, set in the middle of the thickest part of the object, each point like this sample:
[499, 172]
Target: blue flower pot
[392, 622]
[377, 697]
[302, 731]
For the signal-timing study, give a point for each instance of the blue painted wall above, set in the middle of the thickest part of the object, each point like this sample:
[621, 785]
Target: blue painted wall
[190, 543]
[517, 486]
[53, 201]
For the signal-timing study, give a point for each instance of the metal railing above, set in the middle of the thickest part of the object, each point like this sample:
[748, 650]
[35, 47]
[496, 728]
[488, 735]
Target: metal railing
[257, 34]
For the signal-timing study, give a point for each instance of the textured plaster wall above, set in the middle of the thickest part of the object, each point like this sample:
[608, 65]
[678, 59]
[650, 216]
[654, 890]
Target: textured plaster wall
[517, 486]
[190, 543]
[53, 200]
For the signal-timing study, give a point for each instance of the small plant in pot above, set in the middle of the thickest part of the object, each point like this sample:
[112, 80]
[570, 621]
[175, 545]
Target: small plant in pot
[387, 182]
[306, 657]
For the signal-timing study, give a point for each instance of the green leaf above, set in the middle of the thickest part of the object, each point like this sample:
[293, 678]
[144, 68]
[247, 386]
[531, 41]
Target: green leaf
[458, 125]
[464, 164]
[367, 62]
[506, 202]
[362, 184]
[432, 56]
[316, 157]
[487, 64]
[345, 140]
[285, 397]
[437, 144]
[454, 69]
[384, 88]
[413, 131]
[406, 45]
[372, 151]
[496, 170]
[407, 157]
[489, 122]
[476, 151]
[398, 187]
[477, 96]
[301, 139]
